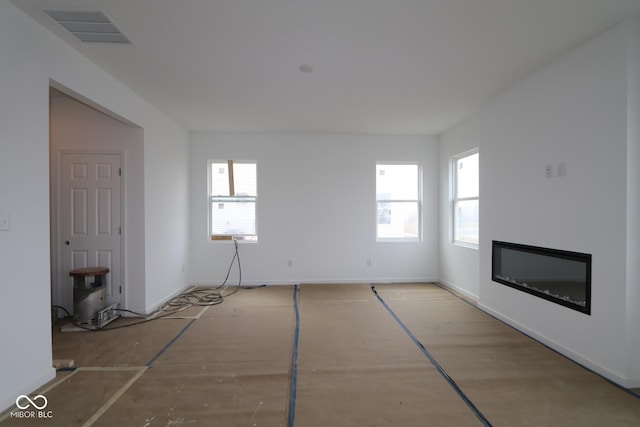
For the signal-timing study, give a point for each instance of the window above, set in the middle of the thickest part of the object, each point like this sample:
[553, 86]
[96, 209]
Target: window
[232, 200]
[465, 200]
[398, 201]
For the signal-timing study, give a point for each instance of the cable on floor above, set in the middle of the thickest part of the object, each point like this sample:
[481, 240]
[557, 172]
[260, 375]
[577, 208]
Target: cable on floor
[202, 297]
[63, 309]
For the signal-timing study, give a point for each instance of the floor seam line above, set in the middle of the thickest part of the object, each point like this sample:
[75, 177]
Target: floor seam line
[199, 315]
[108, 368]
[104, 408]
[433, 361]
[41, 391]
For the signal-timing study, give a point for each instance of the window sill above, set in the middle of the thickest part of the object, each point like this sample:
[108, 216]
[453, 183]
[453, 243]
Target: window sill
[465, 245]
[226, 239]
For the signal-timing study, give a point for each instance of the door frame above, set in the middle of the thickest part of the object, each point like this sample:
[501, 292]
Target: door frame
[58, 277]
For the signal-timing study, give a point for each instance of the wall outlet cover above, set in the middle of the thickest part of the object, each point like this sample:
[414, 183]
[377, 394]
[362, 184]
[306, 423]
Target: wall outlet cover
[4, 221]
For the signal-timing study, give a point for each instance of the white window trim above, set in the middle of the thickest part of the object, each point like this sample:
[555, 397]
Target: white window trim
[419, 201]
[210, 237]
[453, 199]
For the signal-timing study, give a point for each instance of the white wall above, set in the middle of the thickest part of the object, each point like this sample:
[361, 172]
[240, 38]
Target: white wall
[633, 203]
[24, 249]
[572, 111]
[31, 58]
[316, 207]
[166, 170]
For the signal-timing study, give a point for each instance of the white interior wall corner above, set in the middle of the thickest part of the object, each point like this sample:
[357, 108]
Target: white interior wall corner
[633, 205]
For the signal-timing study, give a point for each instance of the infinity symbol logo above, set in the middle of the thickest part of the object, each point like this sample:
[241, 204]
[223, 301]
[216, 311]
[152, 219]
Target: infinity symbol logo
[30, 402]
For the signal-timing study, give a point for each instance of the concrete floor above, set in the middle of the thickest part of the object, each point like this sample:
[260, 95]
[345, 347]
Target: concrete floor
[325, 355]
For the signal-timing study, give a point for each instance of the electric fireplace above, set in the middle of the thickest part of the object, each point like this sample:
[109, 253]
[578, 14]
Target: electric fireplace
[555, 275]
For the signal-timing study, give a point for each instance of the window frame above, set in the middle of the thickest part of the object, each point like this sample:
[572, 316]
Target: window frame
[455, 199]
[232, 198]
[418, 201]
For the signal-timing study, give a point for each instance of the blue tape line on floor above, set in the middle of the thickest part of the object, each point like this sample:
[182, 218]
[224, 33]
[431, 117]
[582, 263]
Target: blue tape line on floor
[433, 361]
[170, 343]
[294, 358]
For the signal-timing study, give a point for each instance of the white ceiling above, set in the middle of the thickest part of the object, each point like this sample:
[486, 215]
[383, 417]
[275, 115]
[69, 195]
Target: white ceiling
[380, 66]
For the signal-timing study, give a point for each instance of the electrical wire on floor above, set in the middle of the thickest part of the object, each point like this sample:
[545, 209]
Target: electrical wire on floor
[208, 296]
[63, 309]
[202, 297]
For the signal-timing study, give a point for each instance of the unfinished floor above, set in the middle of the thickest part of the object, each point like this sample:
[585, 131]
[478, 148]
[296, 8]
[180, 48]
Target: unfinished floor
[325, 355]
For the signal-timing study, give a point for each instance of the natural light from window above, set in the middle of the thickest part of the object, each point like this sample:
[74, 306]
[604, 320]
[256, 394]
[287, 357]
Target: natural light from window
[398, 201]
[466, 200]
[232, 200]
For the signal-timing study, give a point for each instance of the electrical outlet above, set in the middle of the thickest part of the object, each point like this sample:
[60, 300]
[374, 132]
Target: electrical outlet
[289, 263]
[4, 221]
[369, 262]
[548, 171]
[562, 169]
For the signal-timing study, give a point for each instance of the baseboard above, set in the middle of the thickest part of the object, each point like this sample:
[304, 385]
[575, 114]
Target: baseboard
[553, 345]
[376, 280]
[285, 282]
[632, 383]
[246, 283]
[457, 289]
[155, 306]
[404, 280]
[9, 401]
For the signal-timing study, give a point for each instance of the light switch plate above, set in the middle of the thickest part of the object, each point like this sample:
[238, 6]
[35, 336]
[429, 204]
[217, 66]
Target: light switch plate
[548, 171]
[4, 221]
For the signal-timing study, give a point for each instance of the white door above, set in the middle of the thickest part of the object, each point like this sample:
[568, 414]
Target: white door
[91, 229]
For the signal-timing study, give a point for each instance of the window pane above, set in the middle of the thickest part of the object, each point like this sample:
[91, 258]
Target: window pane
[398, 220]
[219, 179]
[232, 199]
[467, 176]
[244, 179]
[233, 218]
[466, 216]
[396, 182]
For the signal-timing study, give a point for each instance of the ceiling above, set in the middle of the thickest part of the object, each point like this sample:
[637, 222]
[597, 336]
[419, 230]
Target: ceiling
[409, 67]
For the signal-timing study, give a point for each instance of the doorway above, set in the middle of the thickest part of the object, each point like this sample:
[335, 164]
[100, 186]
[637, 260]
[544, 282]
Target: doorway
[97, 194]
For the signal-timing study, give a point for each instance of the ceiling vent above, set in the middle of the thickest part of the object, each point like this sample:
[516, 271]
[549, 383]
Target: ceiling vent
[89, 27]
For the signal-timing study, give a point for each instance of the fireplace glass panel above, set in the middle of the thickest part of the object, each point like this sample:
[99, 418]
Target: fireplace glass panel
[559, 276]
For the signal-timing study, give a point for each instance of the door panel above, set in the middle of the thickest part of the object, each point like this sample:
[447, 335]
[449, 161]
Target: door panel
[104, 214]
[91, 211]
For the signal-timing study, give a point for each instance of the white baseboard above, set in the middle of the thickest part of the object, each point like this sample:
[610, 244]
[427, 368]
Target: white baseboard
[245, 283]
[150, 309]
[589, 364]
[458, 289]
[632, 383]
[336, 281]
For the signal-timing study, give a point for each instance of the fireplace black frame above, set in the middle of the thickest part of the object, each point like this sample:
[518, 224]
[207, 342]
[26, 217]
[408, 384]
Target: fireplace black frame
[556, 253]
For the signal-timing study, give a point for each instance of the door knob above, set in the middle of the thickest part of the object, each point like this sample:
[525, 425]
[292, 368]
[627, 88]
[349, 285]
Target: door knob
[66, 242]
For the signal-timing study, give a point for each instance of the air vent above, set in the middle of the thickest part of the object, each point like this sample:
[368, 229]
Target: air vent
[89, 27]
